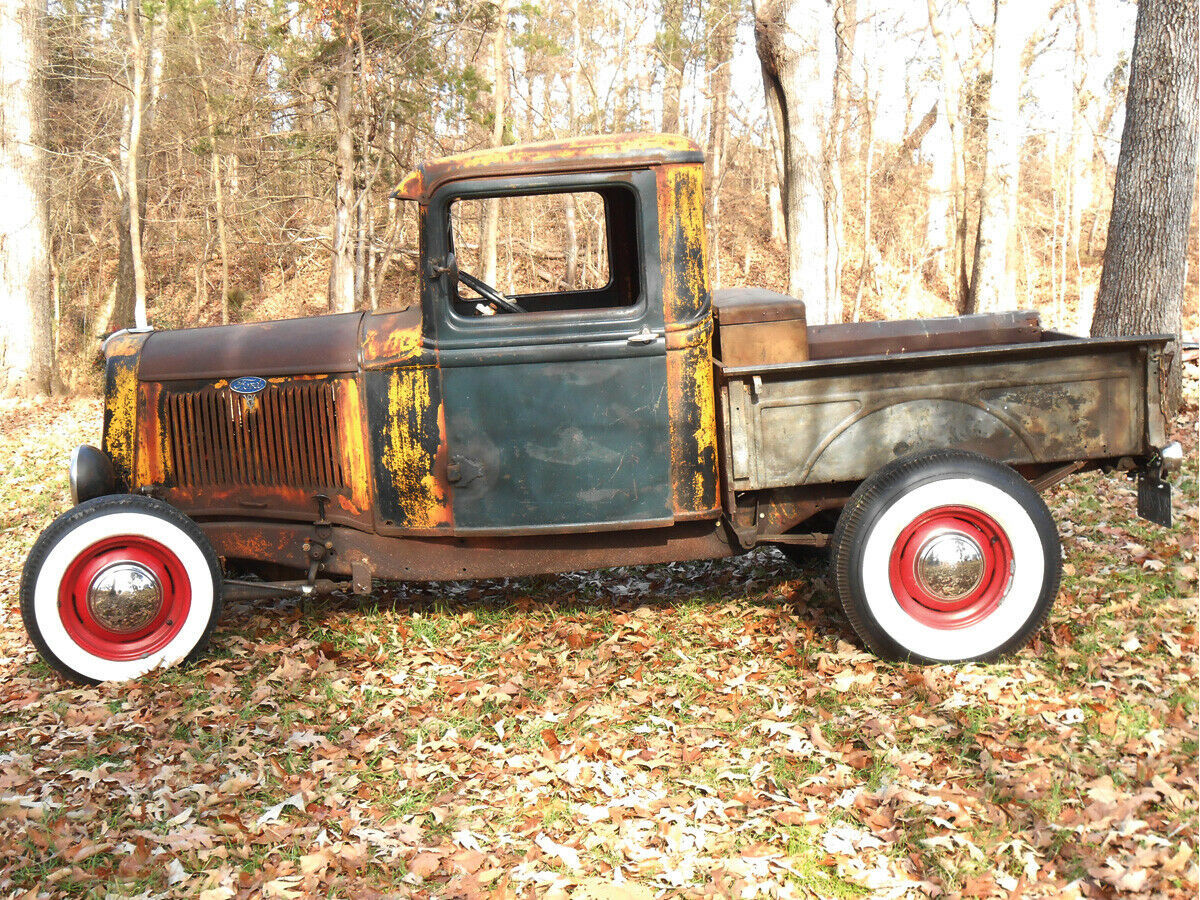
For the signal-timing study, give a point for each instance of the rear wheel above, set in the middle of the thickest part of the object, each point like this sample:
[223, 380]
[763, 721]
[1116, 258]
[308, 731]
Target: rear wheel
[946, 557]
[118, 586]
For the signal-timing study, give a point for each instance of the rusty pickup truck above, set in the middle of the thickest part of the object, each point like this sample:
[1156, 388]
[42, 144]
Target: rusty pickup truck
[614, 411]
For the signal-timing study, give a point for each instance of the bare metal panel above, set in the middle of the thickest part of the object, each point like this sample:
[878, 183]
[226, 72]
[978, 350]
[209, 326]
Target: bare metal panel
[814, 424]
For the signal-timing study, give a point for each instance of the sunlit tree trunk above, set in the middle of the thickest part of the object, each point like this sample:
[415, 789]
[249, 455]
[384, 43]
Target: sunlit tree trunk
[671, 51]
[144, 70]
[845, 14]
[952, 100]
[1082, 142]
[1145, 261]
[719, 60]
[26, 339]
[572, 249]
[341, 270]
[993, 280]
[491, 215]
[796, 49]
[938, 190]
[214, 156]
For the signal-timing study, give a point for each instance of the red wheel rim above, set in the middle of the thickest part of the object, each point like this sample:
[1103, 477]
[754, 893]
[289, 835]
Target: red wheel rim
[961, 524]
[98, 639]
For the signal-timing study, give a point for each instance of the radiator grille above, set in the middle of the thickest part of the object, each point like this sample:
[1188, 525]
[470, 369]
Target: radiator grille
[286, 435]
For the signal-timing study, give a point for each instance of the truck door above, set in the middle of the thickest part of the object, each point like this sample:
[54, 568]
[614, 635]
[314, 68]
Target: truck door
[554, 373]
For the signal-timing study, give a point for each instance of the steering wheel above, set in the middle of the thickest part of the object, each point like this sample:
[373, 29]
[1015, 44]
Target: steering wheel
[489, 293]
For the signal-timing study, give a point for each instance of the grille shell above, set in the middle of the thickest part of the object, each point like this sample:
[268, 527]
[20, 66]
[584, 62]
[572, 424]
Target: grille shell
[287, 435]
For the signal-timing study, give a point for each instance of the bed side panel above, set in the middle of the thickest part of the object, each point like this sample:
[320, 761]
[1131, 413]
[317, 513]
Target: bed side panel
[797, 428]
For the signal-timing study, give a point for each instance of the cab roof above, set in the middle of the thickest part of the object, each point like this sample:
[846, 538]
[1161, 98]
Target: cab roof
[581, 154]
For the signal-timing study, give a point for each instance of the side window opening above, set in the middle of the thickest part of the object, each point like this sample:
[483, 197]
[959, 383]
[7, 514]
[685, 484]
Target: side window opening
[554, 252]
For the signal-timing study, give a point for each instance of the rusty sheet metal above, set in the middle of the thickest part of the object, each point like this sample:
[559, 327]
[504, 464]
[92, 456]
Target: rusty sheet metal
[213, 452]
[693, 436]
[681, 238]
[759, 327]
[427, 558]
[686, 304]
[123, 353]
[582, 154]
[309, 346]
[916, 335]
[408, 438]
[394, 339]
[825, 424]
[782, 509]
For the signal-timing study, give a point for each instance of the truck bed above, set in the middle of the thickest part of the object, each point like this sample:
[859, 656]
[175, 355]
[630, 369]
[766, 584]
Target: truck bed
[997, 385]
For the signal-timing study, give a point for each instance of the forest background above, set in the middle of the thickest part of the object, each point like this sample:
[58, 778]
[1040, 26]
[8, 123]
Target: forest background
[230, 160]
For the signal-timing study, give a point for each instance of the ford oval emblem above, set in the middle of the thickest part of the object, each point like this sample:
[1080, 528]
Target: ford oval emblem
[247, 384]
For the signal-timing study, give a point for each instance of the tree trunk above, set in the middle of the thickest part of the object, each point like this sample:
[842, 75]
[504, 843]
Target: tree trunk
[133, 187]
[1082, 140]
[671, 51]
[938, 189]
[215, 169]
[1145, 261]
[993, 279]
[572, 250]
[868, 162]
[491, 215]
[26, 338]
[845, 24]
[775, 198]
[144, 68]
[796, 49]
[952, 102]
[719, 53]
[341, 270]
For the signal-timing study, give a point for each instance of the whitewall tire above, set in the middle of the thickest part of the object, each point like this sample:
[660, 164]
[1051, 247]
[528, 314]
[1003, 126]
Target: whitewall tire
[946, 557]
[119, 586]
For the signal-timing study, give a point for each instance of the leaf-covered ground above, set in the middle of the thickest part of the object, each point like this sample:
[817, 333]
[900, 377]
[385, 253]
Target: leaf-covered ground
[679, 730]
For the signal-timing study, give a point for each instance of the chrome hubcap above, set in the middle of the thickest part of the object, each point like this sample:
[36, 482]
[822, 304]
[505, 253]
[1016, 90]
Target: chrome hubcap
[950, 565]
[124, 597]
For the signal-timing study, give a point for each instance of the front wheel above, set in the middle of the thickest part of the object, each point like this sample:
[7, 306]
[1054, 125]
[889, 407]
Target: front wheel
[946, 557]
[118, 586]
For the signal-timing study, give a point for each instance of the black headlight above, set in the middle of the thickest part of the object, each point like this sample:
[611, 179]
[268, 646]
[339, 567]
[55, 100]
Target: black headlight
[92, 474]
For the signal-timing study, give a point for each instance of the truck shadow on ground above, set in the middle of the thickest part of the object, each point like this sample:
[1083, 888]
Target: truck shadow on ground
[762, 579]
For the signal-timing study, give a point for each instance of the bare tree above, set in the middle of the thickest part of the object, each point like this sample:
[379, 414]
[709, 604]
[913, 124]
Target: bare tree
[993, 279]
[1145, 261]
[26, 340]
[796, 49]
[215, 165]
[143, 74]
[670, 49]
[342, 264]
[499, 62]
[952, 103]
[719, 52]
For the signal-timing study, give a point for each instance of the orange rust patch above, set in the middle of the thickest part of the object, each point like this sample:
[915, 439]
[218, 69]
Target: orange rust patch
[693, 438]
[682, 242]
[120, 414]
[352, 437]
[409, 456]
